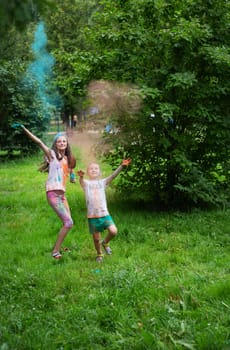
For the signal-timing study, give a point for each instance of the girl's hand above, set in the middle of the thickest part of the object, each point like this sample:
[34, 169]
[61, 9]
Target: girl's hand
[80, 173]
[72, 178]
[126, 162]
[17, 126]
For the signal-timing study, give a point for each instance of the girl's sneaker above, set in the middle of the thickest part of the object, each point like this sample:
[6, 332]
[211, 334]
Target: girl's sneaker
[107, 248]
[99, 258]
[56, 255]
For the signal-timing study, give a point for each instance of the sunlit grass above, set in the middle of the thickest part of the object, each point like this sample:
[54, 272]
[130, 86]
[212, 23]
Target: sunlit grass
[166, 286]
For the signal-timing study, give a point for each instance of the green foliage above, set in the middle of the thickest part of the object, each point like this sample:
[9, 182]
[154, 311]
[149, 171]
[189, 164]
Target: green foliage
[166, 286]
[73, 62]
[19, 103]
[20, 13]
[19, 97]
[178, 54]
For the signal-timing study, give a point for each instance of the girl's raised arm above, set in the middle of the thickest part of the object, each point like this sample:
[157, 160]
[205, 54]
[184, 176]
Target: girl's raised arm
[35, 139]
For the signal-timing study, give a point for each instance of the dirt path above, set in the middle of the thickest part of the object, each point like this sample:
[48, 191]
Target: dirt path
[86, 142]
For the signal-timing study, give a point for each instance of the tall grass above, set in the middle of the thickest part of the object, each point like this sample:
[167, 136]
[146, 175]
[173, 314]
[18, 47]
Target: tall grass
[166, 286]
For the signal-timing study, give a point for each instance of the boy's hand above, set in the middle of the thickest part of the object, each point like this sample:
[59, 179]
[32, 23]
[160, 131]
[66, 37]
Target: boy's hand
[126, 162]
[17, 126]
[80, 173]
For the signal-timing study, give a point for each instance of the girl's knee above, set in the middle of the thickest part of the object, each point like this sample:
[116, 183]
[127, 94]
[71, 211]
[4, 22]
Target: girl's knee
[68, 224]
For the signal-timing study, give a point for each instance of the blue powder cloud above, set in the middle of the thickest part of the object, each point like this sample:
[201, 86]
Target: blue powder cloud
[40, 72]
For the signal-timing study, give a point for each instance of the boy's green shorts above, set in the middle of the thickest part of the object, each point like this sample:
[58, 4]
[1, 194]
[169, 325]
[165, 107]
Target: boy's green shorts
[99, 224]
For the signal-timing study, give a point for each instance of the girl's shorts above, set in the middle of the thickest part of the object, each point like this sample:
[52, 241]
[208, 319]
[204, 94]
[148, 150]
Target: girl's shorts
[99, 224]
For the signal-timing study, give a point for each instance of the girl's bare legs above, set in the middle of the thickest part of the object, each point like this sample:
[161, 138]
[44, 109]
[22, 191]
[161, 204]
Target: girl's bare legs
[58, 202]
[61, 236]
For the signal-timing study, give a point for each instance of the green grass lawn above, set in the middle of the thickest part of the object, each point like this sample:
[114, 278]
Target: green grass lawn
[166, 286]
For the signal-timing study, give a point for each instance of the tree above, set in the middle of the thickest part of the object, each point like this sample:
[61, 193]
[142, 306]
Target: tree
[19, 97]
[69, 47]
[21, 13]
[178, 55]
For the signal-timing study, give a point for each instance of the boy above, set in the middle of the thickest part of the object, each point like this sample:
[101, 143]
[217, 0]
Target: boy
[98, 215]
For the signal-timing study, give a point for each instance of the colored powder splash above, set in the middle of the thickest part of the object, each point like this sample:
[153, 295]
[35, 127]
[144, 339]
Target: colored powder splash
[40, 74]
[114, 98]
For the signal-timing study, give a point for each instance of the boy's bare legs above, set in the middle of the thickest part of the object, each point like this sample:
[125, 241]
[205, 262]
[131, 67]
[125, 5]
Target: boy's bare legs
[96, 241]
[112, 231]
[97, 245]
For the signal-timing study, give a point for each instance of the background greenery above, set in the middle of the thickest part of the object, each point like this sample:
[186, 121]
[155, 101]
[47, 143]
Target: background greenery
[166, 286]
[175, 54]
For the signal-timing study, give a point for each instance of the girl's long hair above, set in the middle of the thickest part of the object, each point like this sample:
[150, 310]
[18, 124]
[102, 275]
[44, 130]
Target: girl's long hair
[44, 167]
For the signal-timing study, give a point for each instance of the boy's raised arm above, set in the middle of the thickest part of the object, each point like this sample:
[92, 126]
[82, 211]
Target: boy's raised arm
[125, 162]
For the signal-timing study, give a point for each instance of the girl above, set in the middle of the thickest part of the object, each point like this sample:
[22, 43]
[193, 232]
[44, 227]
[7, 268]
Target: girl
[59, 161]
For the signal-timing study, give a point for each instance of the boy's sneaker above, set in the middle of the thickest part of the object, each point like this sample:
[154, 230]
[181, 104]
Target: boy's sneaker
[99, 258]
[107, 248]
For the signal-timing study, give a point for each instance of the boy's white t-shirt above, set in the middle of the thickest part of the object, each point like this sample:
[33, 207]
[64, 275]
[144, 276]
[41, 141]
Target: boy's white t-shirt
[95, 198]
